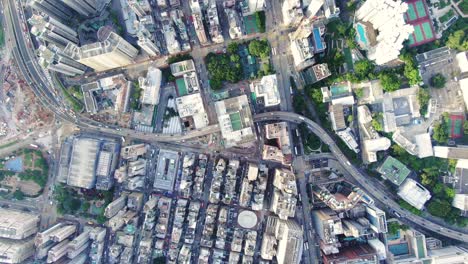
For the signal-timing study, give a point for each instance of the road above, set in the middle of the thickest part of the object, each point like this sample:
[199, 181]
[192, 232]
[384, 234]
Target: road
[375, 193]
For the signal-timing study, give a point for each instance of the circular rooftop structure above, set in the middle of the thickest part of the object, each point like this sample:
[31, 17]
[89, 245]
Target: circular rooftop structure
[104, 32]
[247, 219]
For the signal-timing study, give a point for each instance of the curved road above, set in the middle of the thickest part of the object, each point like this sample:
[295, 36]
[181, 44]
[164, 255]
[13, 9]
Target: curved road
[358, 176]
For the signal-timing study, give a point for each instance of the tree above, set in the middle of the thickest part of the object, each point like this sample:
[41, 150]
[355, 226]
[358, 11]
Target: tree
[465, 128]
[440, 132]
[458, 40]
[390, 82]
[259, 48]
[439, 208]
[234, 58]
[398, 151]
[18, 195]
[159, 260]
[410, 70]
[437, 81]
[362, 68]
[423, 100]
[359, 92]
[233, 47]
[317, 96]
[260, 20]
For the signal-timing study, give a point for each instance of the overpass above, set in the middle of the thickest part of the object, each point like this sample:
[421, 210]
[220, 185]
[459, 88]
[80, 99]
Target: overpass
[371, 190]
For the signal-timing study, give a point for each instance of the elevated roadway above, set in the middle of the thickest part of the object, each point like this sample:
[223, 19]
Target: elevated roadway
[373, 191]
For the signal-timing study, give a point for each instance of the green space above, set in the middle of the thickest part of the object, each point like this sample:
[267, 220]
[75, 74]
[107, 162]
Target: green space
[394, 226]
[179, 58]
[135, 97]
[348, 58]
[442, 129]
[236, 122]
[463, 6]
[408, 207]
[223, 67]
[2, 37]
[420, 8]
[393, 170]
[443, 3]
[423, 99]
[260, 21]
[437, 81]
[446, 16]
[74, 102]
[83, 203]
[311, 142]
[389, 80]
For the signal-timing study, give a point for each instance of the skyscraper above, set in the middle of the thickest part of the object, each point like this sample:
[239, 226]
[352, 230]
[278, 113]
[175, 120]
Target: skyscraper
[83, 7]
[54, 8]
[146, 43]
[52, 59]
[112, 52]
[52, 31]
[140, 7]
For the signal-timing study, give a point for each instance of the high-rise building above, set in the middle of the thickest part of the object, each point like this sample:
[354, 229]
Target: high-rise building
[58, 251]
[52, 59]
[150, 86]
[54, 8]
[15, 251]
[145, 42]
[285, 194]
[50, 30]
[290, 242]
[83, 7]
[251, 6]
[116, 205]
[17, 225]
[292, 12]
[140, 7]
[199, 28]
[112, 52]
[283, 239]
[381, 29]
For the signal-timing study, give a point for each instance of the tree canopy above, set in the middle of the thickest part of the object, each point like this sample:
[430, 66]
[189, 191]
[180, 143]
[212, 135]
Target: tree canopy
[223, 67]
[390, 81]
[363, 68]
[259, 48]
[410, 70]
[458, 40]
[438, 81]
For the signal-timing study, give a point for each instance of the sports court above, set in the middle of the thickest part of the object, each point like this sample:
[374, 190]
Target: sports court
[455, 126]
[417, 16]
[250, 25]
[236, 122]
[181, 87]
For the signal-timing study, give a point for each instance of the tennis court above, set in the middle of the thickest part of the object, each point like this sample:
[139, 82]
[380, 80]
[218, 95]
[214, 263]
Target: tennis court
[420, 8]
[236, 122]
[411, 12]
[418, 34]
[456, 126]
[427, 30]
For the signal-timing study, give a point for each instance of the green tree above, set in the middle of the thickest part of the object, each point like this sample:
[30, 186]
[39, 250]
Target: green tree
[363, 68]
[159, 260]
[423, 100]
[259, 48]
[458, 40]
[410, 70]
[438, 81]
[234, 58]
[390, 82]
[260, 20]
[233, 47]
[439, 208]
[317, 96]
[359, 92]
[440, 132]
[465, 128]
[18, 195]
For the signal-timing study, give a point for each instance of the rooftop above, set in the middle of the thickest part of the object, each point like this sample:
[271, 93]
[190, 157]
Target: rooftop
[414, 193]
[393, 170]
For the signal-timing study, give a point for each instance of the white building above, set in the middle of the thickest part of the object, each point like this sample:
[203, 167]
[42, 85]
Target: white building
[267, 88]
[191, 108]
[51, 59]
[151, 86]
[414, 193]
[381, 29]
[292, 12]
[235, 120]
